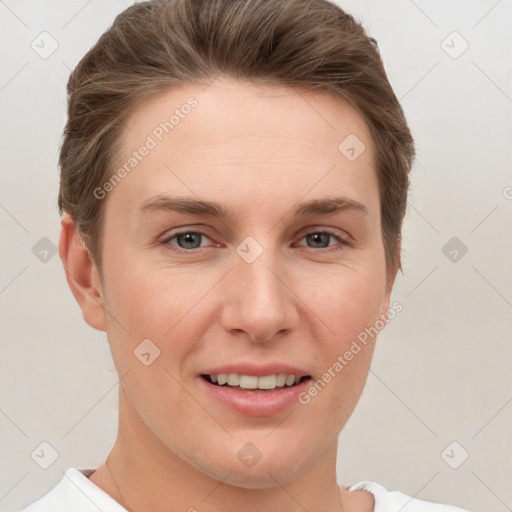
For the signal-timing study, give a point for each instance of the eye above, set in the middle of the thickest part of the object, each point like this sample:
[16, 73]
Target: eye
[186, 240]
[320, 240]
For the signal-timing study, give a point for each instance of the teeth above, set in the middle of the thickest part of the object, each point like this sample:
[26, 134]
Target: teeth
[233, 379]
[281, 379]
[254, 382]
[267, 382]
[247, 381]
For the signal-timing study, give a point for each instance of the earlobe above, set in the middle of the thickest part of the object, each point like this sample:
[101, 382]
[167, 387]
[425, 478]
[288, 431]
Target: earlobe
[81, 274]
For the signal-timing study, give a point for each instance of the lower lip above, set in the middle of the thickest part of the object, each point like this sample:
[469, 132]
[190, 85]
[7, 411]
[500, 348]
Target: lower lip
[255, 402]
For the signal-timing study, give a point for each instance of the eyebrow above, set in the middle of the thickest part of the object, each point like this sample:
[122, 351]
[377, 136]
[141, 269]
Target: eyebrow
[196, 207]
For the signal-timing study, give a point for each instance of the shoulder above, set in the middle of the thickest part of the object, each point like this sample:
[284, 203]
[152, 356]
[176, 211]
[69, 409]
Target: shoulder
[77, 493]
[395, 501]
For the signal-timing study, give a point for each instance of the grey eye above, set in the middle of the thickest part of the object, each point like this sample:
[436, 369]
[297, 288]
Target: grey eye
[189, 240]
[319, 238]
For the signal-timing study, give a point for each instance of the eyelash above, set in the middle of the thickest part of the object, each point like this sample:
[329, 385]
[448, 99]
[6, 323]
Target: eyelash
[342, 243]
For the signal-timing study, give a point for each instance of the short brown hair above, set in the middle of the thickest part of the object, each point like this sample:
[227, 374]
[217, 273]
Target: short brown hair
[155, 45]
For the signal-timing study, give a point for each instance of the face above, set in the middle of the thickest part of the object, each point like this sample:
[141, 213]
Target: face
[243, 242]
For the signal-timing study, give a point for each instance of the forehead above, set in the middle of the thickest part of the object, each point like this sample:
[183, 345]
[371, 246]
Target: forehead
[235, 139]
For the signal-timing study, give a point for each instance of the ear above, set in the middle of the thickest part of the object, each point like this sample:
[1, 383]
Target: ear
[390, 278]
[81, 274]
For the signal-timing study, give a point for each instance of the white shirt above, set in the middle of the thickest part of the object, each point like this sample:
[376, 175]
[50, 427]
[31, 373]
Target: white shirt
[76, 493]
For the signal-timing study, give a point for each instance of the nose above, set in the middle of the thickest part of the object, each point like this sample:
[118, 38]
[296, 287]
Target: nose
[258, 299]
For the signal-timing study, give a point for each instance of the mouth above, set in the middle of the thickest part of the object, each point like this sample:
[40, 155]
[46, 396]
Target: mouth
[253, 389]
[248, 383]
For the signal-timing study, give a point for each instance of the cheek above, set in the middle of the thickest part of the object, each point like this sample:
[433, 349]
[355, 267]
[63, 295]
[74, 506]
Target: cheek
[347, 301]
[349, 304]
[166, 306]
[161, 307]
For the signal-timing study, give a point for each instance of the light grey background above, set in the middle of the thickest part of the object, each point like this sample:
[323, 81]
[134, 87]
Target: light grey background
[442, 367]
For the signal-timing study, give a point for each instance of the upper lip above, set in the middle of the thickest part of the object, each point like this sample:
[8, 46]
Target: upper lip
[258, 370]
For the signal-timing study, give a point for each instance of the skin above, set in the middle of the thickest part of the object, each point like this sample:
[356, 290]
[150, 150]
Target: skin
[258, 151]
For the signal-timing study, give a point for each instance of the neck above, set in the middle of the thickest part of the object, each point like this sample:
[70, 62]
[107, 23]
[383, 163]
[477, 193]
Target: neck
[146, 475]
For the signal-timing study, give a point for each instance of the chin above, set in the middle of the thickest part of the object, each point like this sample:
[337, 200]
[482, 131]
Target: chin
[262, 476]
[250, 468]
